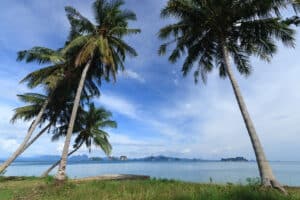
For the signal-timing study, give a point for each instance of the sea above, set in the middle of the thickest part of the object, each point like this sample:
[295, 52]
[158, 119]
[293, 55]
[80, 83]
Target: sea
[288, 173]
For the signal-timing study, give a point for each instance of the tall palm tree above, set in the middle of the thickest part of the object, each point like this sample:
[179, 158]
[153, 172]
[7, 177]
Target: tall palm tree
[211, 32]
[90, 130]
[99, 48]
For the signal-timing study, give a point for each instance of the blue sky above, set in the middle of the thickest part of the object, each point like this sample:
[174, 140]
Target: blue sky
[158, 111]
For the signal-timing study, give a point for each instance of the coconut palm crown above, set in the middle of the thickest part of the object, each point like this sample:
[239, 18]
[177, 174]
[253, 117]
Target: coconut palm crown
[90, 129]
[245, 28]
[59, 73]
[101, 42]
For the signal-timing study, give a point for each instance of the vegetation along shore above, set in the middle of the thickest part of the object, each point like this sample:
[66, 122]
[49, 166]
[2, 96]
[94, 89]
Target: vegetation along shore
[45, 188]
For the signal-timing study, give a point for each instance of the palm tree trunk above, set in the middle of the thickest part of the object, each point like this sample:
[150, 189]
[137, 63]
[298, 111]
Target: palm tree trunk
[60, 176]
[26, 139]
[46, 173]
[267, 177]
[35, 138]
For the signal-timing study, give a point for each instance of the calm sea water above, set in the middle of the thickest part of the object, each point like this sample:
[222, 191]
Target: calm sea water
[288, 173]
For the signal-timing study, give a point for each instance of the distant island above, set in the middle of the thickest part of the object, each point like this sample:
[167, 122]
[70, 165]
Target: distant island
[85, 159]
[236, 159]
[166, 158]
[46, 159]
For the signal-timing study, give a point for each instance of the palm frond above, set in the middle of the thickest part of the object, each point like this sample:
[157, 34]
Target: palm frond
[40, 55]
[79, 24]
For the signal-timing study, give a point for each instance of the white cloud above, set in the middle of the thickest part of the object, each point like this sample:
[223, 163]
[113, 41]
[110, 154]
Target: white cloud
[134, 75]
[8, 145]
[119, 105]
[8, 130]
[10, 88]
[207, 121]
[186, 150]
[163, 127]
[214, 123]
[125, 140]
[130, 109]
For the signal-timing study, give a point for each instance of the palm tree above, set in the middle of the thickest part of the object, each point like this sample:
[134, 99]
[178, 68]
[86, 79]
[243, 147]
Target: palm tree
[55, 114]
[52, 115]
[58, 80]
[211, 32]
[99, 48]
[40, 55]
[90, 130]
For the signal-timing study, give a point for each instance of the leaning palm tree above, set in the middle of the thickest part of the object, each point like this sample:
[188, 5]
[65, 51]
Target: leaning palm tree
[42, 56]
[215, 33]
[54, 115]
[58, 80]
[89, 130]
[98, 49]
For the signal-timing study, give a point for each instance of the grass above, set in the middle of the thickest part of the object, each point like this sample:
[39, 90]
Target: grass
[36, 189]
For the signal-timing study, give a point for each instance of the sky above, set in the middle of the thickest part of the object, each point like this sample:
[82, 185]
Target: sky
[158, 111]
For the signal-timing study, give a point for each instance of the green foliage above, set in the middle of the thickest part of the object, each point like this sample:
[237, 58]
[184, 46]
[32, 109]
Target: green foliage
[253, 181]
[2, 178]
[139, 190]
[203, 28]
[28, 112]
[48, 76]
[56, 114]
[40, 55]
[60, 82]
[102, 42]
[2, 173]
[90, 128]
[60, 76]
[17, 178]
[49, 179]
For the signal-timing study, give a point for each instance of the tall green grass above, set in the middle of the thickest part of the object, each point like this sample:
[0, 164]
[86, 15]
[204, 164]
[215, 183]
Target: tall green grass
[143, 190]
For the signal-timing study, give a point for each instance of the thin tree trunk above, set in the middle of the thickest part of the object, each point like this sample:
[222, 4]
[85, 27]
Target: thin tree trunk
[61, 173]
[35, 138]
[267, 177]
[46, 173]
[26, 139]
